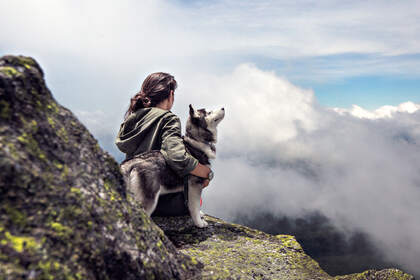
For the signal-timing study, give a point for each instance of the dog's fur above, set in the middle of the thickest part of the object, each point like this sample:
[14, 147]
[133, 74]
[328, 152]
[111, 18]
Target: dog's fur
[147, 175]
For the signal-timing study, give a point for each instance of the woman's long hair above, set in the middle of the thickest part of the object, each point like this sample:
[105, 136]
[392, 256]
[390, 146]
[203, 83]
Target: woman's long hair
[155, 88]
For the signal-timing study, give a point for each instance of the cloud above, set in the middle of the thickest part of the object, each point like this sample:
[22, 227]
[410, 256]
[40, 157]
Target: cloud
[281, 152]
[382, 112]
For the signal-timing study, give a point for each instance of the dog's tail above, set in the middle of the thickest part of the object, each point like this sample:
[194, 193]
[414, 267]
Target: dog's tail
[133, 180]
[144, 187]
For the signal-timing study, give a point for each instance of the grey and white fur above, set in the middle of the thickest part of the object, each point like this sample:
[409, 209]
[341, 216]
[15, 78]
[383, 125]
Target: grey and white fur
[147, 175]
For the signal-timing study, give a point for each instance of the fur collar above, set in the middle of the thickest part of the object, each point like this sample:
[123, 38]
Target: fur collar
[208, 148]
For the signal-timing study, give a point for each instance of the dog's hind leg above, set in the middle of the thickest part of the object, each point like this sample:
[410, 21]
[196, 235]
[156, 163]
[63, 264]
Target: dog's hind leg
[194, 195]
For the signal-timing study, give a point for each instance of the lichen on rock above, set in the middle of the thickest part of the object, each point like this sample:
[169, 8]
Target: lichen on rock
[231, 251]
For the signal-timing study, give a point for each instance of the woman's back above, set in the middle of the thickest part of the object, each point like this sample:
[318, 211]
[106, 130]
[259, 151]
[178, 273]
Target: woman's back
[141, 131]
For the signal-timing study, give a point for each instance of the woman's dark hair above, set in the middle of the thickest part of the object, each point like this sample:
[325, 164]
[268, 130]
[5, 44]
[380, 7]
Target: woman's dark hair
[155, 88]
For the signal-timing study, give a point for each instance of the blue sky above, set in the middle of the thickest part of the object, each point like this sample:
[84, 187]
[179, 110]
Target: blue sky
[370, 92]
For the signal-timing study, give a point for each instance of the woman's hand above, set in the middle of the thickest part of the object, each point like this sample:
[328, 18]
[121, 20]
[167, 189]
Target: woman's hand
[201, 171]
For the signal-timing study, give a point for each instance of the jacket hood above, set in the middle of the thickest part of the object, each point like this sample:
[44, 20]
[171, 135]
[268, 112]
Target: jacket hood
[136, 127]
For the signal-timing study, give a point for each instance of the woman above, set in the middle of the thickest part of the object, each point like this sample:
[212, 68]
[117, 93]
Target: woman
[150, 125]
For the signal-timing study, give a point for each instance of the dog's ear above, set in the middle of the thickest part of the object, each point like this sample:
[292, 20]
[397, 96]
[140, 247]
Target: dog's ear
[192, 113]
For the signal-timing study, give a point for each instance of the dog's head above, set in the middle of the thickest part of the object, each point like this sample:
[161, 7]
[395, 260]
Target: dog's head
[202, 124]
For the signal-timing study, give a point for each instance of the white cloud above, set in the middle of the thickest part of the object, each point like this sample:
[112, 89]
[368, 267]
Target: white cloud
[382, 112]
[242, 93]
[281, 152]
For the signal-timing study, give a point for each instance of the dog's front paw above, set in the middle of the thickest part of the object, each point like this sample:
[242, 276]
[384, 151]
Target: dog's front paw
[201, 223]
[202, 214]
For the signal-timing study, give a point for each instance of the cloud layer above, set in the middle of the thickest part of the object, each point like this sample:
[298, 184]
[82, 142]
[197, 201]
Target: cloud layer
[280, 152]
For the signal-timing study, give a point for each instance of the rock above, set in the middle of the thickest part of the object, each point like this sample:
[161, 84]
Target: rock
[231, 251]
[64, 212]
[385, 274]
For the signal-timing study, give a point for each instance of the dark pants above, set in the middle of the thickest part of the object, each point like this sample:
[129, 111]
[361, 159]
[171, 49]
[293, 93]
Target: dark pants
[171, 204]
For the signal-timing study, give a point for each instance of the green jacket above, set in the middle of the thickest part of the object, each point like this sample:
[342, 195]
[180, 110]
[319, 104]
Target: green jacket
[155, 129]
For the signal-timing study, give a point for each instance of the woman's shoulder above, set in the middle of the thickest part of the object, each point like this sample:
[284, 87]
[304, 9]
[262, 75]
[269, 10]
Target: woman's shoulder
[166, 114]
[151, 113]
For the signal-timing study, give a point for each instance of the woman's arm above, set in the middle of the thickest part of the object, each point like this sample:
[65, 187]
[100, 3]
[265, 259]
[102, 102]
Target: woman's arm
[174, 152]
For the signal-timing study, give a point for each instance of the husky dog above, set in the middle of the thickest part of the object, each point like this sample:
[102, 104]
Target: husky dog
[147, 175]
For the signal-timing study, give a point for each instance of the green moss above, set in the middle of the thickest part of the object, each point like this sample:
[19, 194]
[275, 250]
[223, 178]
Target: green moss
[31, 145]
[5, 112]
[20, 243]
[107, 185]
[38, 104]
[12, 150]
[51, 269]
[17, 217]
[26, 61]
[53, 107]
[230, 251]
[61, 230]
[30, 126]
[57, 164]
[9, 71]
[62, 133]
[289, 241]
[386, 274]
[76, 190]
[51, 121]
[65, 172]
[194, 260]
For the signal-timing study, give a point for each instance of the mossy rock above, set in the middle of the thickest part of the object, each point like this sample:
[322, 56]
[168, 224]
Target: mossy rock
[385, 274]
[64, 210]
[231, 251]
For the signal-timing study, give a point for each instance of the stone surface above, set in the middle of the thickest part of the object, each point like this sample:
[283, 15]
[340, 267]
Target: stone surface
[231, 251]
[64, 212]
[385, 274]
